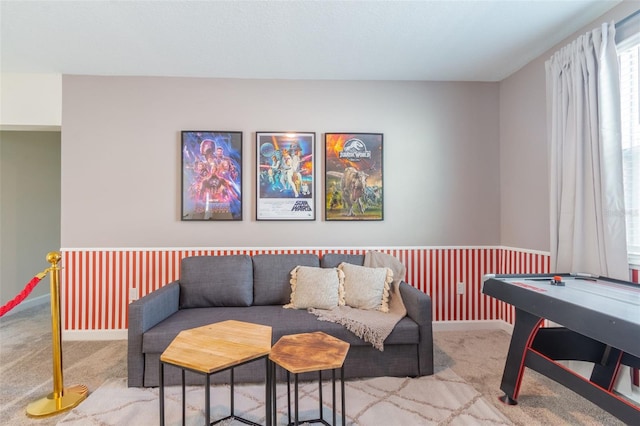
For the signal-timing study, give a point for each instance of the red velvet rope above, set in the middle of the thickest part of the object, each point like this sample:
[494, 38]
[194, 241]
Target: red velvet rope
[22, 295]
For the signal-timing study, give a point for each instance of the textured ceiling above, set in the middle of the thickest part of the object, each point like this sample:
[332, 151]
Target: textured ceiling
[345, 40]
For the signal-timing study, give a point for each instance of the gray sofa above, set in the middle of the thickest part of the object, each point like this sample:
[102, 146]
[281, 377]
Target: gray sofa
[254, 289]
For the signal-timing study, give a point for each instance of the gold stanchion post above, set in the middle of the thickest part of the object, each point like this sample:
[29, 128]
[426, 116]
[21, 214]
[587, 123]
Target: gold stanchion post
[61, 398]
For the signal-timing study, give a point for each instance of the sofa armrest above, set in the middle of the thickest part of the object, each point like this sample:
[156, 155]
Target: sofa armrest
[145, 313]
[418, 305]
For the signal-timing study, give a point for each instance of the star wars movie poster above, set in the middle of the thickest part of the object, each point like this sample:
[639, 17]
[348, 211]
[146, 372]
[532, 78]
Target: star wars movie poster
[211, 175]
[353, 176]
[285, 176]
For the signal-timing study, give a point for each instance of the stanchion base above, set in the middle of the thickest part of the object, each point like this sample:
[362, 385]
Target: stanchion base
[49, 406]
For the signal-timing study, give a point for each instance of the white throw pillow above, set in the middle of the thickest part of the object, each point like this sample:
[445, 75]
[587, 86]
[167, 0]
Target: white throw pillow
[366, 288]
[320, 288]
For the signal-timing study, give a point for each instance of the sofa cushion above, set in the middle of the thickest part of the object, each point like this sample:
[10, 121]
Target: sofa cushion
[321, 288]
[366, 288]
[271, 276]
[332, 260]
[207, 281]
[282, 321]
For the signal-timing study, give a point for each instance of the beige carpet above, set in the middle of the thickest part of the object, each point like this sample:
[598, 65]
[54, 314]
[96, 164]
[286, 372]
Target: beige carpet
[477, 357]
[443, 398]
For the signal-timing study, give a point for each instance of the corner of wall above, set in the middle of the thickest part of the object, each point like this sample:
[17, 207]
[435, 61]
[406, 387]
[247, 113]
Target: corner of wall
[30, 101]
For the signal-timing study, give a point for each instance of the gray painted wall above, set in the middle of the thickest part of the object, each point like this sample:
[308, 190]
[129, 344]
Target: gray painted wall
[465, 163]
[121, 159]
[524, 183]
[29, 208]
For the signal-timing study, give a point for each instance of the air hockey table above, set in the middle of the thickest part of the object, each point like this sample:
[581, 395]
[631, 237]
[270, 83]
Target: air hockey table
[599, 322]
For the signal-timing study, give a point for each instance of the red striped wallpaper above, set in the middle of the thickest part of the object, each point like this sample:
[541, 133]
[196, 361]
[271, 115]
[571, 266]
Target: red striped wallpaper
[95, 284]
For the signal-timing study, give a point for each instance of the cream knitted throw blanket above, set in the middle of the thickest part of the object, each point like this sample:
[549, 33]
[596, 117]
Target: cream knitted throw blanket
[371, 326]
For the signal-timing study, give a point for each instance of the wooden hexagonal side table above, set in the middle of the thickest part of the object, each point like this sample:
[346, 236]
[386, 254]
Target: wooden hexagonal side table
[307, 352]
[214, 348]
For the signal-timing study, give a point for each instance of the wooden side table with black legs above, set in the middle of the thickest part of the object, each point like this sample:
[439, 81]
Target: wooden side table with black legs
[303, 353]
[214, 348]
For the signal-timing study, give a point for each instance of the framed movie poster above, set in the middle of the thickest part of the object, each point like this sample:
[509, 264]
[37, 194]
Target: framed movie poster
[353, 176]
[211, 175]
[285, 176]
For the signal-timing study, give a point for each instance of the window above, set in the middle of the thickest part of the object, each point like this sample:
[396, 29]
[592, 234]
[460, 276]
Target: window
[629, 59]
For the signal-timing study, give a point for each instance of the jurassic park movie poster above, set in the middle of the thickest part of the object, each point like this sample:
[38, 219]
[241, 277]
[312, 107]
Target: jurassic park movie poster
[353, 176]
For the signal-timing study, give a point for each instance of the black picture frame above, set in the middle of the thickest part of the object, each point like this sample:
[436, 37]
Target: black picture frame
[285, 176]
[354, 176]
[211, 175]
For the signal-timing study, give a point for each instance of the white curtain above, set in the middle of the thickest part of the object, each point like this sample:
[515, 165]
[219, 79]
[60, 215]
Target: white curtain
[587, 198]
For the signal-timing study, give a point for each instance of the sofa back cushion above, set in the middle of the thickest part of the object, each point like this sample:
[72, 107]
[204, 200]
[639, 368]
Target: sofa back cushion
[272, 276]
[333, 260]
[207, 281]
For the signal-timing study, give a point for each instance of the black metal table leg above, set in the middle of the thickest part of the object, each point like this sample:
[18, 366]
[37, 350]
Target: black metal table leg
[184, 402]
[274, 393]
[161, 386]
[289, 397]
[295, 378]
[320, 393]
[296, 398]
[207, 400]
[333, 393]
[267, 395]
[342, 395]
[233, 392]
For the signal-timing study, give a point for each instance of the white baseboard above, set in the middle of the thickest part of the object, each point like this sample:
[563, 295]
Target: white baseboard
[30, 303]
[72, 335]
[472, 325]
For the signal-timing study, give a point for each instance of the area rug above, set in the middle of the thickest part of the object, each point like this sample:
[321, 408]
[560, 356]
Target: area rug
[441, 399]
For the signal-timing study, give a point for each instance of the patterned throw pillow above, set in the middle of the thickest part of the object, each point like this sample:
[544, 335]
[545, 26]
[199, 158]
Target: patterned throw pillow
[366, 288]
[320, 288]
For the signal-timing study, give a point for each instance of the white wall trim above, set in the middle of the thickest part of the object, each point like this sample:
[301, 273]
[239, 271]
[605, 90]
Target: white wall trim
[521, 250]
[332, 248]
[472, 325]
[74, 335]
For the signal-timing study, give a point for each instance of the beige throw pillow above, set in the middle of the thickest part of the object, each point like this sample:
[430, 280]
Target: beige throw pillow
[366, 288]
[320, 288]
